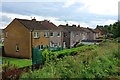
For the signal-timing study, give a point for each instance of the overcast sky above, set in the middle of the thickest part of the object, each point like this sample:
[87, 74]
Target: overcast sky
[87, 13]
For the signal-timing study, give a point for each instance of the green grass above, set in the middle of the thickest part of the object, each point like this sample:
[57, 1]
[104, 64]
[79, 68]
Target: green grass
[100, 62]
[17, 62]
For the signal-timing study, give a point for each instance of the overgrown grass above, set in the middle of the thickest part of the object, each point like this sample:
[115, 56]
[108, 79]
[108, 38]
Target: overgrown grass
[51, 56]
[17, 62]
[100, 62]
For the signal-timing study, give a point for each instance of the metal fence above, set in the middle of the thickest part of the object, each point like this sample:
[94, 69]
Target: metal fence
[54, 49]
[37, 57]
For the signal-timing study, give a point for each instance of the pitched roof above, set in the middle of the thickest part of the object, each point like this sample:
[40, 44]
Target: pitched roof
[38, 25]
[100, 29]
[94, 31]
[85, 29]
[70, 28]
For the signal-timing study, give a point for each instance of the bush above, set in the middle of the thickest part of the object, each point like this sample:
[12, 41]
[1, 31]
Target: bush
[79, 45]
[118, 39]
[51, 56]
[100, 62]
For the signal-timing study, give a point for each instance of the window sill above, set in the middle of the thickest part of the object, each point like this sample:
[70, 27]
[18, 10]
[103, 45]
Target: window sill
[36, 37]
[46, 37]
[17, 51]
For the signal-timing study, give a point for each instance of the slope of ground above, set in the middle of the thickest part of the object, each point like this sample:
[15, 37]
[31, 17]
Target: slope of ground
[101, 62]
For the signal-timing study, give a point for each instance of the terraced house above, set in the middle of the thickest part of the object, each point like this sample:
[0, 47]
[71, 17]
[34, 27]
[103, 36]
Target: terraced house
[72, 35]
[21, 35]
[101, 31]
[91, 34]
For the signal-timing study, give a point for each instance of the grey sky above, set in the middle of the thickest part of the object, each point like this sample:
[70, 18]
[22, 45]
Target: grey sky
[74, 12]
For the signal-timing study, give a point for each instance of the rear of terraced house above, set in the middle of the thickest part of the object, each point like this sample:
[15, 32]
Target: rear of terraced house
[73, 34]
[21, 35]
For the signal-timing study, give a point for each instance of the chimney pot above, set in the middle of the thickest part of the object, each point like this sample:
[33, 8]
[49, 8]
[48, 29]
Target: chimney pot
[66, 24]
[73, 25]
[34, 19]
[78, 25]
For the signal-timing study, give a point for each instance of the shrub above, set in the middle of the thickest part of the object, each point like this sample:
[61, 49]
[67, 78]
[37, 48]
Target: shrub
[79, 45]
[118, 39]
[98, 62]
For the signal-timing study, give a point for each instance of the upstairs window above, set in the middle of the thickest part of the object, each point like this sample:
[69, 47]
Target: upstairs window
[45, 34]
[51, 34]
[36, 35]
[76, 34]
[64, 34]
[58, 34]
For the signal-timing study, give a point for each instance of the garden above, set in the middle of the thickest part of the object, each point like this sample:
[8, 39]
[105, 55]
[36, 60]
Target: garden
[85, 61]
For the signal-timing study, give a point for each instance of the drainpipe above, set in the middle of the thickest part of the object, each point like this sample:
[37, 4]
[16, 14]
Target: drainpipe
[31, 41]
[31, 49]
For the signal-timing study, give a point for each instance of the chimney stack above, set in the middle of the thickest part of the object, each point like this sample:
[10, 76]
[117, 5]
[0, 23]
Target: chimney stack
[34, 19]
[46, 20]
[78, 25]
[73, 25]
[66, 24]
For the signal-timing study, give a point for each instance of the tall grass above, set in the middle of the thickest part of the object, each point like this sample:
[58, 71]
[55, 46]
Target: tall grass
[100, 62]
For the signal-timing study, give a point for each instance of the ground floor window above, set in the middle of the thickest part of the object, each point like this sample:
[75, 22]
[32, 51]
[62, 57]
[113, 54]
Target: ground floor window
[52, 44]
[17, 48]
[51, 34]
[41, 47]
[64, 44]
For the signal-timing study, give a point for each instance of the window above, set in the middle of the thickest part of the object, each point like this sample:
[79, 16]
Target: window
[45, 34]
[17, 48]
[77, 34]
[59, 44]
[64, 44]
[51, 34]
[51, 44]
[58, 34]
[36, 35]
[64, 34]
[6, 34]
[55, 44]
[41, 47]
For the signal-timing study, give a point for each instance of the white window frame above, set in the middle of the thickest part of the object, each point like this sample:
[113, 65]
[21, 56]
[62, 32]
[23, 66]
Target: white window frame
[45, 34]
[36, 35]
[51, 44]
[50, 34]
[59, 34]
[17, 48]
[41, 46]
[64, 44]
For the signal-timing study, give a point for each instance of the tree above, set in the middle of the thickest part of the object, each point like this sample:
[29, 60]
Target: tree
[112, 29]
